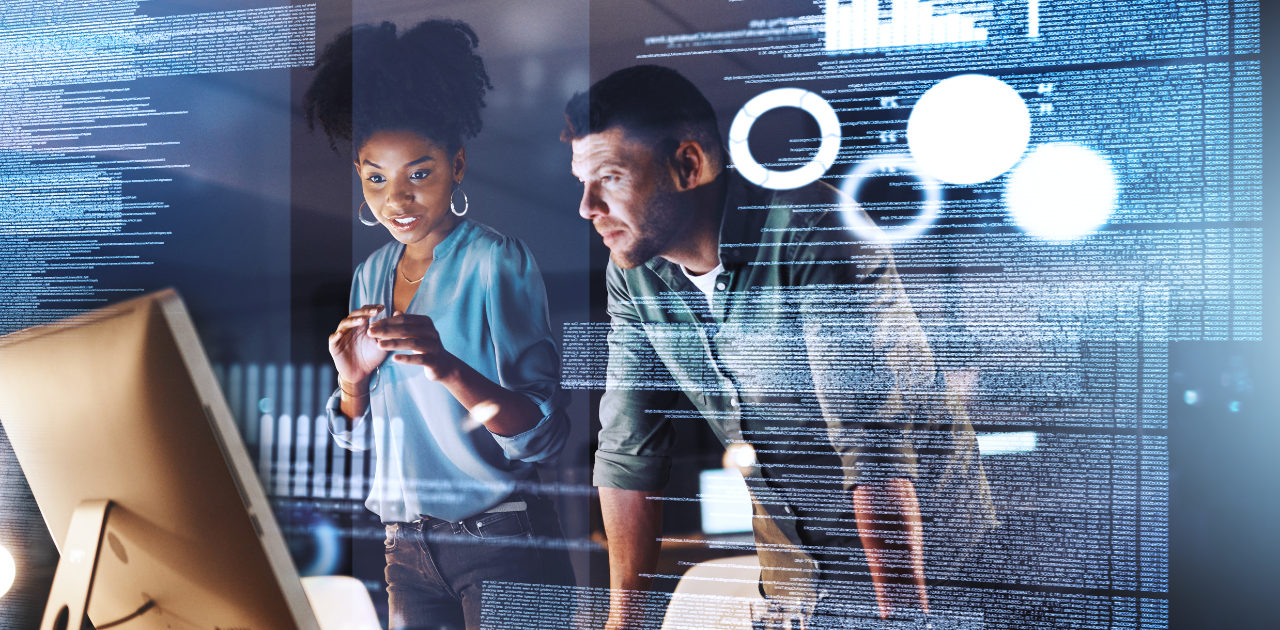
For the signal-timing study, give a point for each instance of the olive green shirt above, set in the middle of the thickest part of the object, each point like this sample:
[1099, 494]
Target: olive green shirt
[810, 352]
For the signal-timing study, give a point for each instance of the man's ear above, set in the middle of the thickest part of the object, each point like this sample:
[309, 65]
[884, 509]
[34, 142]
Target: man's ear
[689, 165]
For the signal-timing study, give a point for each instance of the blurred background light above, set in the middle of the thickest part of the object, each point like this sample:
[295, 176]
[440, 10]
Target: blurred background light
[320, 550]
[968, 129]
[725, 501]
[739, 456]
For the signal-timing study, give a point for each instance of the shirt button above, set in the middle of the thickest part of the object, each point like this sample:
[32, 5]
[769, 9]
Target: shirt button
[787, 508]
[719, 286]
[733, 401]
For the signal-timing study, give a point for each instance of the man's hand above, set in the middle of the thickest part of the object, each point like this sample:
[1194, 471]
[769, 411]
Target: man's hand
[888, 516]
[416, 334]
[633, 524]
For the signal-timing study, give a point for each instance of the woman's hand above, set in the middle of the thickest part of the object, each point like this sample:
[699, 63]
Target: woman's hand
[500, 410]
[416, 334]
[355, 353]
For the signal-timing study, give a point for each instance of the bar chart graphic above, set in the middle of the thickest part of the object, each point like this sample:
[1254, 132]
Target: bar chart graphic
[858, 25]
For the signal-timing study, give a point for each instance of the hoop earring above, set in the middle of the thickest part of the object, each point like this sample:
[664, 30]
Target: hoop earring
[360, 215]
[466, 203]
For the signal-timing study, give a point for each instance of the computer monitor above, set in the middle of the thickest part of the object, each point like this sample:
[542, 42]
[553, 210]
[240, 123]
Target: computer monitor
[136, 463]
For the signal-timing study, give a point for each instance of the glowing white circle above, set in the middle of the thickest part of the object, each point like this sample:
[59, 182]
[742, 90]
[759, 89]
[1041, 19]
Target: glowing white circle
[968, 129]
[1061, 191]
[816, 106]
[864, 227]
[8, 571]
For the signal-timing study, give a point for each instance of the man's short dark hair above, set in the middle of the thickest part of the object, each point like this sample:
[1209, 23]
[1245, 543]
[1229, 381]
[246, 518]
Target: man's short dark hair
[649, 102]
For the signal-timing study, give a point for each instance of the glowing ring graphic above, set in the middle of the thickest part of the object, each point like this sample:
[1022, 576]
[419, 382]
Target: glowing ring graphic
[816, 106]
[864, 227]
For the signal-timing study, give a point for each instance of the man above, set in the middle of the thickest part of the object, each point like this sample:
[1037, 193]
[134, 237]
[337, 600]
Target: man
[753, 304]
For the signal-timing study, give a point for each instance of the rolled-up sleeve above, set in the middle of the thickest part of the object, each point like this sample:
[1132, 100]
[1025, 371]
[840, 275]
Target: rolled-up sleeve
[542, 442]
[526, 356]
[635, 435]
[349, 433]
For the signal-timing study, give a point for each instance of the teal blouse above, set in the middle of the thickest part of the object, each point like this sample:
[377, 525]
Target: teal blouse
[485, 295]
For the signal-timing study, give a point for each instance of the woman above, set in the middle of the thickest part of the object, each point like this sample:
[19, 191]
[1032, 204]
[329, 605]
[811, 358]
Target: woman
[468, 399]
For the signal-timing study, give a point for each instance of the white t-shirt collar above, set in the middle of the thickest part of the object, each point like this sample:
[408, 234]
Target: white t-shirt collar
[705, 282]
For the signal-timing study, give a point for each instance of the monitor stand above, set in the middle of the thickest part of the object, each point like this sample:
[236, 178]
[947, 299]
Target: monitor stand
[73, 582]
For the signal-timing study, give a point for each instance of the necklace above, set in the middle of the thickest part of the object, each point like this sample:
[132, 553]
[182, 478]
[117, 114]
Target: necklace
[400, 268]
[406, 278]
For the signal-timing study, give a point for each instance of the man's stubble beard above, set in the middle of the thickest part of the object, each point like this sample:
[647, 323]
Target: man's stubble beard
[654, 234]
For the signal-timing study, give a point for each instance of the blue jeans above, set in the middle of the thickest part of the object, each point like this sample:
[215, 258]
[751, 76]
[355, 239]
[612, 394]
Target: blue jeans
[436, 569]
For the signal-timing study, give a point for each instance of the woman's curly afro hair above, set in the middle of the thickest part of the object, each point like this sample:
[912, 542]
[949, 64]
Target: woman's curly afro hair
[428, 80]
